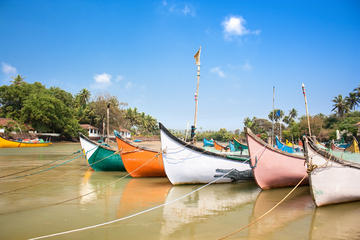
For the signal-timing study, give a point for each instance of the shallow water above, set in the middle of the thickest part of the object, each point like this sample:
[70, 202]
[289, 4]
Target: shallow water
[27, 205]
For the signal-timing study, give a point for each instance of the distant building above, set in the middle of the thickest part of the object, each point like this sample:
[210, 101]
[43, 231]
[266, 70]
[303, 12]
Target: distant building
[94, 132]
[124, 133]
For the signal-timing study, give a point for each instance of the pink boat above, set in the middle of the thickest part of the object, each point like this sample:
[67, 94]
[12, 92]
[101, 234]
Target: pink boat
[272, 167]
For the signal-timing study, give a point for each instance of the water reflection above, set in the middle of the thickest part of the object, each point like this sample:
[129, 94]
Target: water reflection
[210, 201]
[293, 215]
[142, 193]
[339, 221]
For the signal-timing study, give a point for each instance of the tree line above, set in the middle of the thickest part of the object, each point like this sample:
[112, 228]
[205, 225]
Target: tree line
[53, 110]
[323, 127]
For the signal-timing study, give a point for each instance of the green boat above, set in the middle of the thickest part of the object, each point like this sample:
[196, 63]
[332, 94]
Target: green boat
[239, 146]
[100, 156]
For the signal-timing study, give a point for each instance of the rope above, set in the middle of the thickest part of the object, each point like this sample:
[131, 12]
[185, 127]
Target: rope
[46, 169]
[266, 213]
[80, 196]
[25, 187]
[26, 170]
[58, 165]
[133, 215]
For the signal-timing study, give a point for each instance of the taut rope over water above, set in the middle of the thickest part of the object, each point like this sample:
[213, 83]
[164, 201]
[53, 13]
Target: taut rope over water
[26, 170]
[83, 195]
[133, 215]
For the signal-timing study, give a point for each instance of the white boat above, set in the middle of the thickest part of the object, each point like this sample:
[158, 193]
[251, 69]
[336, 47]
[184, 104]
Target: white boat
[332, 179]
[187, 164]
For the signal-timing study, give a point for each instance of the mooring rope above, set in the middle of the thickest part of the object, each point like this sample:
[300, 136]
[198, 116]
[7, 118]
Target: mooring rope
[132, 215]
[26, 170]
[44, 170]
[55, 166]
[266, 213]
[83, 195]
[14, 190]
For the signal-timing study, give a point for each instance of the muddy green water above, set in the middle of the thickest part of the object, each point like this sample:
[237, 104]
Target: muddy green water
[27, 205]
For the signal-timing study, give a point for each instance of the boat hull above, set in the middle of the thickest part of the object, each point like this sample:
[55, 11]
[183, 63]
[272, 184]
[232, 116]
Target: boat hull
[101, 158]
[140, 162]
[218, 147]
[4, 143]
[273, 168]
[187, 164]
[331, 181]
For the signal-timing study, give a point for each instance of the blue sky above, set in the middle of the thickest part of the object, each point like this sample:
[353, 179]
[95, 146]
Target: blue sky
[142, 52]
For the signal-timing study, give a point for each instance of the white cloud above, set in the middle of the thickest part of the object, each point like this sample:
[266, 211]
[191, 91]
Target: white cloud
[235, 26]
[178, 9]
[218, 71]
[247, 66]
[103, 78]
[102, 81]
[8, 69]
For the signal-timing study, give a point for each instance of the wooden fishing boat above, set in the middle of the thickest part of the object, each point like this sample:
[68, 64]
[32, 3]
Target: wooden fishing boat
[239, 146]
[218, 146]
[140, 161]
[354, 146]
[101, 157]
[333, 179]
[188, 164]
[282, 146]
[242, 148]
[4, 143]
[333, 146]
[272, 167]
[208, 143]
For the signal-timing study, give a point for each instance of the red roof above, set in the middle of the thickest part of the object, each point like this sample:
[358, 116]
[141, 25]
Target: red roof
[87, 126]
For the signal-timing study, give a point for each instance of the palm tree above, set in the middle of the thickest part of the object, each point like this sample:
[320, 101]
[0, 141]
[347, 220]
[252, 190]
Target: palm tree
[18, 79]
[84, 97]
[340, 106]
[248, 123]
[290, 118]
[357, 91]
[278, 115]
[293, 113]
[352, 100]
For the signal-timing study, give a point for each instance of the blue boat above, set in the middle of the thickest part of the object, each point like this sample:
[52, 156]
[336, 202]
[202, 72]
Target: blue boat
[208, 143]
[283, 147]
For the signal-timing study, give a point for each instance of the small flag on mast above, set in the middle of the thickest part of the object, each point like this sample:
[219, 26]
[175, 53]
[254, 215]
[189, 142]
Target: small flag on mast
[197, 57]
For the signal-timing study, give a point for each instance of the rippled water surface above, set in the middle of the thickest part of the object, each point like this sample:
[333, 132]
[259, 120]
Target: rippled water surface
[37, 203]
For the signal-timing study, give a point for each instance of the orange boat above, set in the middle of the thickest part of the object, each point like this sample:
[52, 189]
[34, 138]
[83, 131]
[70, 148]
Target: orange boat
[139, 161]
[218, 147]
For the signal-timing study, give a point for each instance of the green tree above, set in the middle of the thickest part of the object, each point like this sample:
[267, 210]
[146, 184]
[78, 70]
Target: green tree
[47, 113]
[97, 112]
[340, 106]
[352, 100]
[277, 117]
